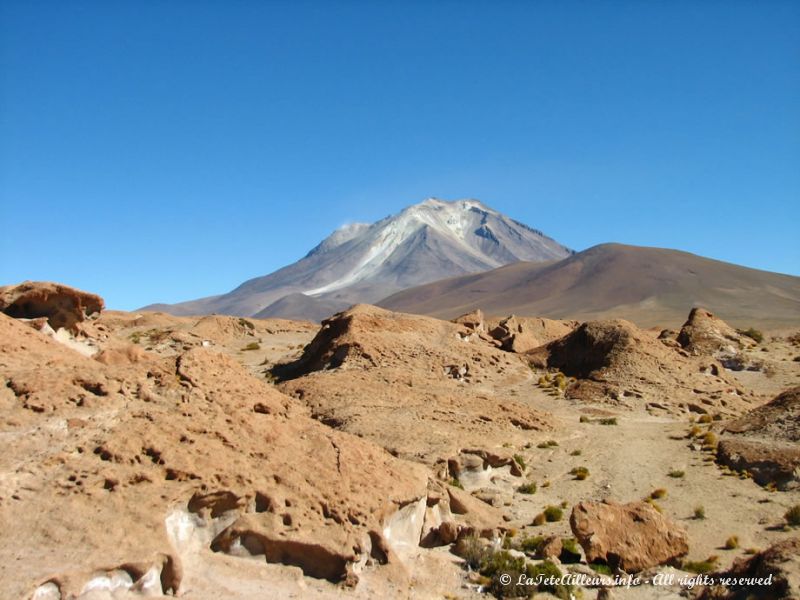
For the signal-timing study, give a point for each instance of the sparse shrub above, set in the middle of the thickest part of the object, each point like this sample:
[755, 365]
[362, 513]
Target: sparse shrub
[548, 570]
[553, 514]
[472, 551]
[246, 324]
[732, 543]
[701, 567]
[584, 419]
[704, 419]
[520, 461]
[694, 431]
[580, 473]
[252, 346]
[753, 334]
[792, 516]
[710, 439]
[699, 513]
[658, 493]
[547, 444]
[601, 568]
[531, 544]
[527, 488]
[608, 421]
[502, 563]
[539, 519]
[752, 551]
[571, 546]
[560, 381]
[156, 336]
[456, 483]
[654, 504]
[564, 504]
[576, 453]
[546, 483]
[508, 540]
[676, 473]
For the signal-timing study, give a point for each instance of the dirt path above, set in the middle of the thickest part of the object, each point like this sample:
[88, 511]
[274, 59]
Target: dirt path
[631, 459]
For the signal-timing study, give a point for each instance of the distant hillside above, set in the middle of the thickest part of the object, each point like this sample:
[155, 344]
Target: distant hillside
[650, 286]
[301, 307]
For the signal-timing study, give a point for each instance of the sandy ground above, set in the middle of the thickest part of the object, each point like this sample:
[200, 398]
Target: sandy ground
[626, 462]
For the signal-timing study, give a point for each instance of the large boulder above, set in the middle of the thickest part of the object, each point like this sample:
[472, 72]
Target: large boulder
[521, 334]
[780, 562]
[766, 442]
[705, 333]
[61, 305]
[632, 537]
[472, 320]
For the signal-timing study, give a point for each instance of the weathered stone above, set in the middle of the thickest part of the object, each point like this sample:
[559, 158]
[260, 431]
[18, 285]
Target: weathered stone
[551, 548]
[705, 333]
[765, 442]
[63, 306]
[778, 567]
[631, 537]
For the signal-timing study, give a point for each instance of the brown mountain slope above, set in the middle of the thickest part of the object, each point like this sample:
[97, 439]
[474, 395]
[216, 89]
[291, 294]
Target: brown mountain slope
[649, 286]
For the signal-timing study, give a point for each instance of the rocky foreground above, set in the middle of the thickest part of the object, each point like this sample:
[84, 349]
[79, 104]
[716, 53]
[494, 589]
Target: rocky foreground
[391, 455]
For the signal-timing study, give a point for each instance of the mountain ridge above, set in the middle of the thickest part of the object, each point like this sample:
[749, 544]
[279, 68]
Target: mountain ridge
[649, 286]
[362, 262]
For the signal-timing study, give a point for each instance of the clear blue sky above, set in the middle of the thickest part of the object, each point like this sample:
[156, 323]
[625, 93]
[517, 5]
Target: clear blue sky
[163, 151]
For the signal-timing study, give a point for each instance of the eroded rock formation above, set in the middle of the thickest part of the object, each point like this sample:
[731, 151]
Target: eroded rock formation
[632, 537]
[765, 442]
[61, 305]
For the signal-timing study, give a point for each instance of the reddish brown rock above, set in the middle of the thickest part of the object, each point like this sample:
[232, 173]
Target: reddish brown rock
[632, 537]
[139, 442]
[479, 518]
[705, 333]
[63, 306]
[766, 442]
[550, 548]
[777, 568]
[472, 320]
[616, 362]
[120, 356]
[521, 334]
[417, 386]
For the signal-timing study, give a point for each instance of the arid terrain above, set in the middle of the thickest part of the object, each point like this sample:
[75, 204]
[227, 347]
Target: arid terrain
[652, 287]
[390, 455]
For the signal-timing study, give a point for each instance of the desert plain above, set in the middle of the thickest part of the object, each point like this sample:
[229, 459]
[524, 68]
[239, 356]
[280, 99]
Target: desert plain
[388, 455]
